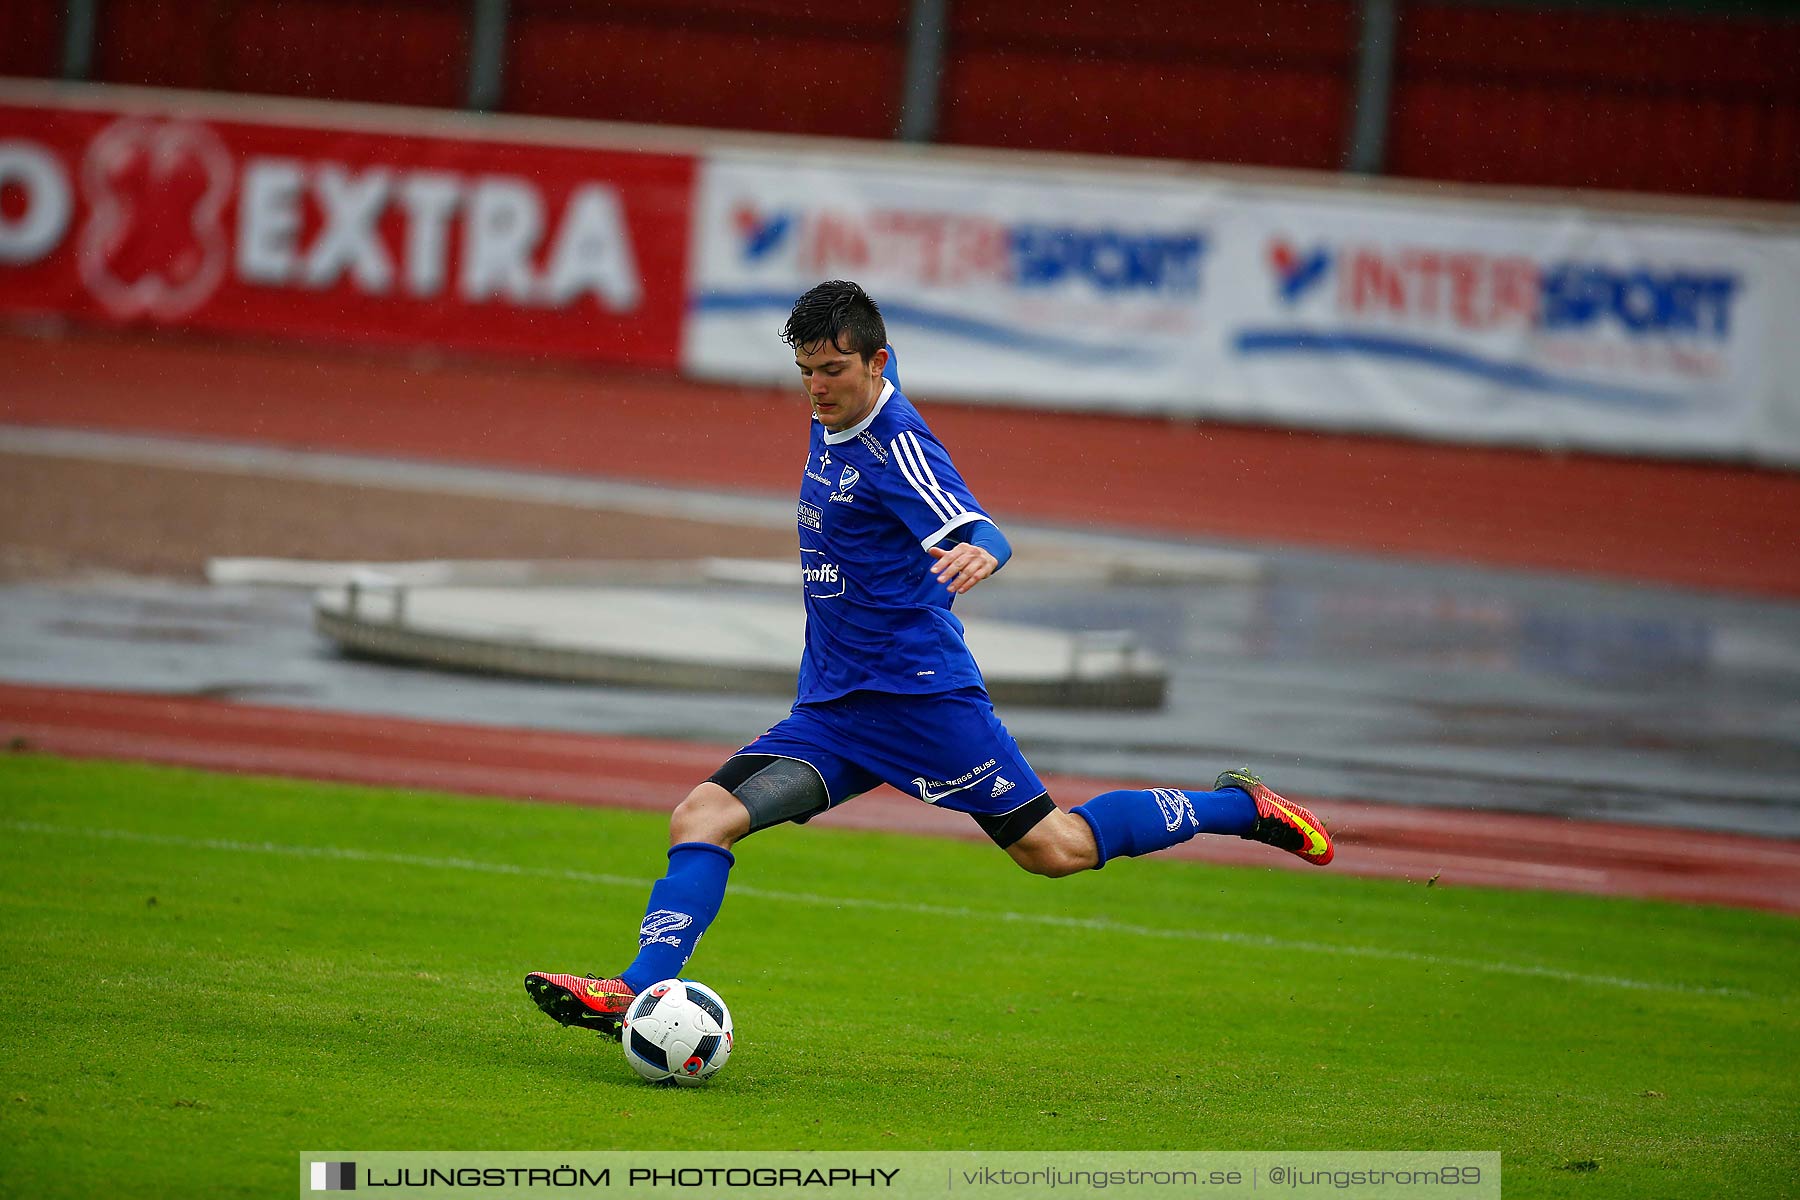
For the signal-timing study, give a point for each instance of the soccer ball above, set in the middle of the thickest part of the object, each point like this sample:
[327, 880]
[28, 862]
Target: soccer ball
[677, 1031]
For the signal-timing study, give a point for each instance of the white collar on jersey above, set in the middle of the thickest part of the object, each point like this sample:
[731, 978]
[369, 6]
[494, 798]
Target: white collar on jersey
[832, 439]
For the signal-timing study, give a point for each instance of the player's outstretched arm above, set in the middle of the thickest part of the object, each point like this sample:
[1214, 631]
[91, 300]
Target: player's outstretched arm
[966, 564]
[962, 567]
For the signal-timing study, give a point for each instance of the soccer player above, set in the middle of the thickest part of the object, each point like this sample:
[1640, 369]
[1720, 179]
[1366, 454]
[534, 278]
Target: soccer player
[890, 535]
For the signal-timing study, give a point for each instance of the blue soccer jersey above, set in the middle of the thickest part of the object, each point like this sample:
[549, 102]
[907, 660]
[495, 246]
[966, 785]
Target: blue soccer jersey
[874, 497]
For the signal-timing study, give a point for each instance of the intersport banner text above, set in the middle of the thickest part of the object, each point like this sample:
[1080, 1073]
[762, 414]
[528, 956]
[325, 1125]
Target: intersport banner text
[172, 216]
[1337, 310]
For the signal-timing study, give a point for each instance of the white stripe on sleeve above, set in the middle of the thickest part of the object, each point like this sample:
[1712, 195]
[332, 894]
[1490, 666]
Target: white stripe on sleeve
[954, 523]
[918, 472]
[931, 477]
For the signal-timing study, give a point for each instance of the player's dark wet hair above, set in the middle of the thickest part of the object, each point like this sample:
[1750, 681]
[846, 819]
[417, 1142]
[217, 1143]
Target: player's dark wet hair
[839, 312]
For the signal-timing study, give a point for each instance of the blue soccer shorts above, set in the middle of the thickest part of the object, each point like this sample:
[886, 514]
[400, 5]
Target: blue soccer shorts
[944, 748]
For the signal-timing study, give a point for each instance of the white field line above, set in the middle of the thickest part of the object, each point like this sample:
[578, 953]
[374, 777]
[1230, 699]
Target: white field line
[314, 466]
[1086, 924]
[717, 506]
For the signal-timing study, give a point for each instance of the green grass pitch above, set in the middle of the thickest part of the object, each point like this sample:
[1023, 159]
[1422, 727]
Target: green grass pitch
[203, 975]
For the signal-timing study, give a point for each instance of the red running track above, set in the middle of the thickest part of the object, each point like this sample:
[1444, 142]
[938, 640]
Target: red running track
[1710, 526]
[1455, 848]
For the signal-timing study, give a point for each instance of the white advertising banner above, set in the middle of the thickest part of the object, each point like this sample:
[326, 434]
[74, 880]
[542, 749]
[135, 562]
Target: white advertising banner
[1559, 329]
[1463, 321]
[992, 284]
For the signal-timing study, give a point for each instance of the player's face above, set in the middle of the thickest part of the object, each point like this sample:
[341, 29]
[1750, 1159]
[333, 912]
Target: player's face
[840, 385]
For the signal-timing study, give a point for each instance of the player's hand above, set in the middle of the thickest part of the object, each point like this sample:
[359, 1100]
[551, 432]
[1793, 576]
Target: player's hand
[962, 567]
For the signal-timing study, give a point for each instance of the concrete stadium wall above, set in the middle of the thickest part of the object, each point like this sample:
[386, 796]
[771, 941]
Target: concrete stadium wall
[1552, 95]
[1590, 320]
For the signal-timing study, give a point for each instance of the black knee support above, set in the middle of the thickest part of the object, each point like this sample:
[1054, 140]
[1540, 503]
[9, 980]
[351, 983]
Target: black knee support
[773, 789]
[1010, 827]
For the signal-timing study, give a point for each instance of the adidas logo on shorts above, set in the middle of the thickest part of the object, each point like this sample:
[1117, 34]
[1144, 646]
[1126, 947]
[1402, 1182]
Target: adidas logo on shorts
[1002, 785]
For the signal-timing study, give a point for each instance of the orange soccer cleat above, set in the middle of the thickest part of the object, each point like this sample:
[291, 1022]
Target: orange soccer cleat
[583, 1001]
[1281, 823]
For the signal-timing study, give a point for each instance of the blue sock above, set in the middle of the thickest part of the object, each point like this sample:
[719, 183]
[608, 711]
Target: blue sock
[682, 904]
[1129, 823]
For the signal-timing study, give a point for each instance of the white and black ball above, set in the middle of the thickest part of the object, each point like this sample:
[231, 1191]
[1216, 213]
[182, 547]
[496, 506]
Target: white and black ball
[677, 1031]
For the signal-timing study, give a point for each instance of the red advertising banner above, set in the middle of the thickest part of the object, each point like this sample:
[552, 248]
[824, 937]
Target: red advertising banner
[184, 221]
